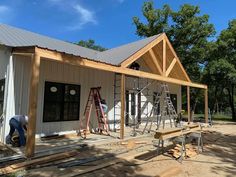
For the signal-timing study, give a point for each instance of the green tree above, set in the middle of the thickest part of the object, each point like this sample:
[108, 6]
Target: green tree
[91, 45]
[220, 72]
[188, 32]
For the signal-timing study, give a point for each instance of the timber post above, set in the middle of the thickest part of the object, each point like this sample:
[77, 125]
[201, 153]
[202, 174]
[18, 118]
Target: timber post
[33, 98]
[122, 110]
[188, 104]
[206, 105]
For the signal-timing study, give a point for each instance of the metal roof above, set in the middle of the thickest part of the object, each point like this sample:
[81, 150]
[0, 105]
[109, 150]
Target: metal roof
[121, 53]
[16, 37]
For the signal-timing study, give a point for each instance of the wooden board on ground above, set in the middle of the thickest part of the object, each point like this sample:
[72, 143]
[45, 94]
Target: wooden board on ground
[23, 165]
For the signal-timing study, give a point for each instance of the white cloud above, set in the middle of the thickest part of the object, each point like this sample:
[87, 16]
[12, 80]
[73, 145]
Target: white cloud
[84, 15]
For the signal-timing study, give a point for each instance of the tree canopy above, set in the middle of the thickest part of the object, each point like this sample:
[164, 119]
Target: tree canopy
[90, 44]
[187, 30]
[205, 57]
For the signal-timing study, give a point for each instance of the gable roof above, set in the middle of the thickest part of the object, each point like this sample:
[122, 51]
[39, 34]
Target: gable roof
[15, 37]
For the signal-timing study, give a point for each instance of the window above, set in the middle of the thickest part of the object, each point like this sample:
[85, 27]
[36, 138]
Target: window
[61, 102]
[2, 88]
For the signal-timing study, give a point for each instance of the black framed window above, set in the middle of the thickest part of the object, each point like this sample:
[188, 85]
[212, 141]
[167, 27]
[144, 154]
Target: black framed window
[2, 89]
[61, 102]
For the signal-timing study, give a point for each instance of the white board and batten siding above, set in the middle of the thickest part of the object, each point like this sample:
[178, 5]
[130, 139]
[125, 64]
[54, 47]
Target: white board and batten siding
[62, 73]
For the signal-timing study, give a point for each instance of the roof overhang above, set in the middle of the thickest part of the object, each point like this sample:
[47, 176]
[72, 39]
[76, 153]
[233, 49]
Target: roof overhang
[79, 61]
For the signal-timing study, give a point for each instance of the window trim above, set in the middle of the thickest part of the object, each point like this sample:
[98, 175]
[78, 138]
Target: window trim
[62, 103]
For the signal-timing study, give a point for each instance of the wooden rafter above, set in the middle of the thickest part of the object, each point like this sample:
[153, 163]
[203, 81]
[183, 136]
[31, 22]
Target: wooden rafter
[78, 61]
[164, 57]
[154, 59]
[149, 62]
[142, 51]
[172, 64]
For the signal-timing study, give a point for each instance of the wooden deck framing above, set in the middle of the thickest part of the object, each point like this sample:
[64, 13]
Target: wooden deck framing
[167, 67]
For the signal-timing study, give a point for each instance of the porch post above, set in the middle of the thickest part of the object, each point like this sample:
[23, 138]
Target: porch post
[206, 105]
[33, 98]
[188, 103]
[122, 110]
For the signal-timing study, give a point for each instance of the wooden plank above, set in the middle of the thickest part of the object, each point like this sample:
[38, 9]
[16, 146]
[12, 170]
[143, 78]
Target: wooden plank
[122, 110]
[177, 134]
[33, 98]
[188, 104]
[78, 61]
[142, 51]
[154, 59]
[172, 64]
[45, 159]
[206, 105]
[118, 159]
[38, 161]
[164, 57]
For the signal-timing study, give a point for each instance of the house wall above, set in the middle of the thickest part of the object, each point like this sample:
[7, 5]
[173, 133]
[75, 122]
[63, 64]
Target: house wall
[64, 73]
[4, 68]
[61, 73]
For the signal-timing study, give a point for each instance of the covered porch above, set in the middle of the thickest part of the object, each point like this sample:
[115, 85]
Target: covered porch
[158, 55]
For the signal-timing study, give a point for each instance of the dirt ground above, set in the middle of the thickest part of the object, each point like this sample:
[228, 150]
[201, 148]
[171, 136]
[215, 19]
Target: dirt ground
[217, 159]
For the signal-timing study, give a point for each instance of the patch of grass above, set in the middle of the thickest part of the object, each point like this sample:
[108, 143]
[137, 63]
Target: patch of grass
[221, 117]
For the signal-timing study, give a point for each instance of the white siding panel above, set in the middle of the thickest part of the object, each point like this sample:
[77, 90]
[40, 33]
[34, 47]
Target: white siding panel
[87, 78]
[4, 70]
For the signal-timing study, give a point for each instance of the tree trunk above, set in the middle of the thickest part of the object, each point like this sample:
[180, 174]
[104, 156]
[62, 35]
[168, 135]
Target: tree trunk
[193, 110]
[231, 101]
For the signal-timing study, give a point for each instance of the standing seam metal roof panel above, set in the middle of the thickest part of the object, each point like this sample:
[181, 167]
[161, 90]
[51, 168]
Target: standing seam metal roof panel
[15, 37]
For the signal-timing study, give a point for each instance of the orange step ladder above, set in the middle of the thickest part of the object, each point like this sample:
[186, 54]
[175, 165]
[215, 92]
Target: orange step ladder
[94, 98]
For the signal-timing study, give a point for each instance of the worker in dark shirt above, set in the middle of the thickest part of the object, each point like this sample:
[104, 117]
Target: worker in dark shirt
[19, 123]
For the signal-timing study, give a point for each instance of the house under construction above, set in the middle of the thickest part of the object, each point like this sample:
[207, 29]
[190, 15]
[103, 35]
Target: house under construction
[50, 80]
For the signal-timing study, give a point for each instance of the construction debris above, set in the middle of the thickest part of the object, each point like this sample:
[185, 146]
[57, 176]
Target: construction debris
[176, 151]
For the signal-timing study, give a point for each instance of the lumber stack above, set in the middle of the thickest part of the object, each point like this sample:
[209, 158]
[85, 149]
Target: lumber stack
[176, 151]
[29, 163]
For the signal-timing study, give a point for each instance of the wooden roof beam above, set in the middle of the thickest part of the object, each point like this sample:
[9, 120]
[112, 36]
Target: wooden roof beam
[175, 55]
[172, 64]
[154, 59]
[142, 51]
[164, 57]
[78, 61]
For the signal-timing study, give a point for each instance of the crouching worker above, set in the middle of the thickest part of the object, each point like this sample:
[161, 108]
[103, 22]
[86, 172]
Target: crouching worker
[19, 123]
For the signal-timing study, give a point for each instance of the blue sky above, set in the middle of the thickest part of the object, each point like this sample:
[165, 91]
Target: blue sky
[108, 22]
